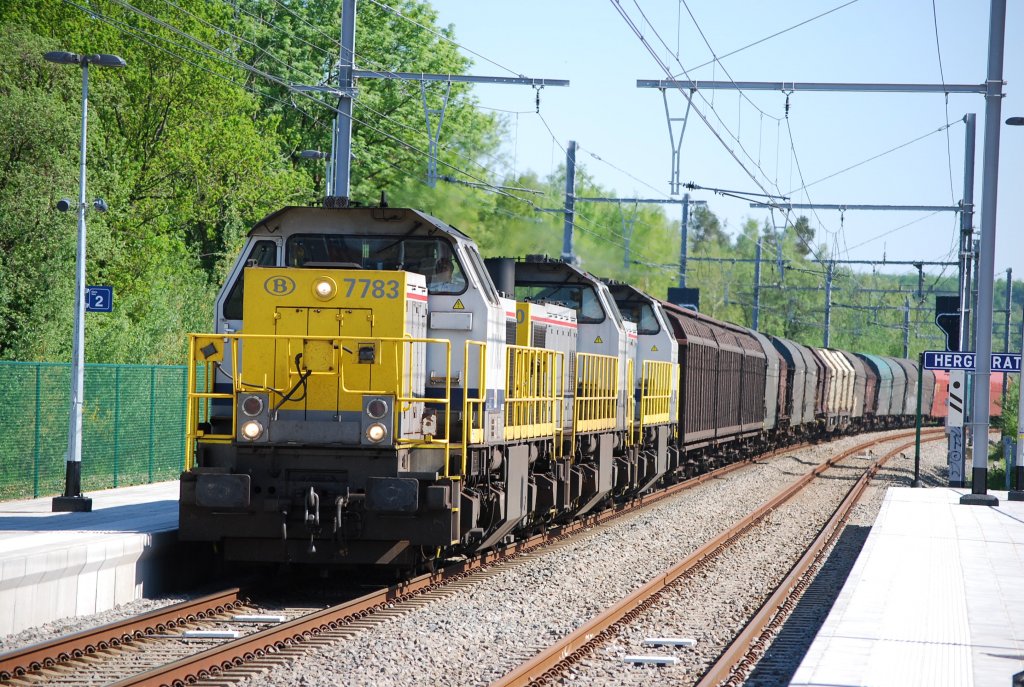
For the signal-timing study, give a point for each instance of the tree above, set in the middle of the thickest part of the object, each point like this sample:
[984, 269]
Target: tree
[191, 146]
[37, 129]
[182, 162]
[804, 235]
[705, 229]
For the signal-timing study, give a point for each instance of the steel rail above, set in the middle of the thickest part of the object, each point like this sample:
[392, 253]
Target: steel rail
[734, 663]
[576, 645]
[47, 654]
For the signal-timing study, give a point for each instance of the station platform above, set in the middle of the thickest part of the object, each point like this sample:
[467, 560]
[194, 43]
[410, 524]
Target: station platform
[936, 597]
[59, 565]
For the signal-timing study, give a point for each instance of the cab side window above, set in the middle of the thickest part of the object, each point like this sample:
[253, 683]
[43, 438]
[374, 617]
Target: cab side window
[262, 254]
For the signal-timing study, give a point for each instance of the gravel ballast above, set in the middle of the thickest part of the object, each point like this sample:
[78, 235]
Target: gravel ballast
[487, 630]
[481, 633]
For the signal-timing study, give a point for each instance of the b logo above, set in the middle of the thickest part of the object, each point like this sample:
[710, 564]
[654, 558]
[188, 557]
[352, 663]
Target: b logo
[279, 286]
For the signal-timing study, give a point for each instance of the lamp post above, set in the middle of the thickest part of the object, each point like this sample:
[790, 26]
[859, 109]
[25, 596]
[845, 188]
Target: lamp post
[1017, 493]
[73, 500]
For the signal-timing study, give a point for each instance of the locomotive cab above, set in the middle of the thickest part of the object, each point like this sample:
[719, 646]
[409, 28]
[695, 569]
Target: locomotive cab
[600, 455]
[656, 375]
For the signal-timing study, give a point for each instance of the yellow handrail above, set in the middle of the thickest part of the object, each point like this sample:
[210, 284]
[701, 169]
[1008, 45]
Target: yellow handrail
[632, 432]
[597, 394]
[473, 408]
[401, 386]
[657, 385]
[534, 393]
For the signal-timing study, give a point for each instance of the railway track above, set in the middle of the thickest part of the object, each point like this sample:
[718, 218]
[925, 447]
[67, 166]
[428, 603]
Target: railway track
[151, 650]
[53, 659]
[566, 661]
[65, 657]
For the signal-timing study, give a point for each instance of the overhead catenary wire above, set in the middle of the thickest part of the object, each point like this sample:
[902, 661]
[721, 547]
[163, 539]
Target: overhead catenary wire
[944, 127]
[592, 229]
[365, 62]
[894, 230]
[774, 35]
[632, 25]
[149, 38]
[711, 104]
[838, 237]
[718, 61]
[145, 36]
[621, 171]
[668, 72]
[232, 61]
[335, 41]
[224, 58]
[942, 76]
[444, 37]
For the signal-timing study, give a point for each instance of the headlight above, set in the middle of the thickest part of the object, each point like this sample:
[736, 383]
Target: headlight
[377, 408]
[324, 288]
[376, 432]
[252, 430]
[252, 405]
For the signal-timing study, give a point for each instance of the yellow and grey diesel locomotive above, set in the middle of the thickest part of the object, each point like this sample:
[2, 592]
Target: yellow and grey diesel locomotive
[373, 393]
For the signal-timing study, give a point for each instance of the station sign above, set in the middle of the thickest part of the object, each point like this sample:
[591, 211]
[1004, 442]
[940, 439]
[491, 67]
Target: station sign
[99, 299]
[945, 360]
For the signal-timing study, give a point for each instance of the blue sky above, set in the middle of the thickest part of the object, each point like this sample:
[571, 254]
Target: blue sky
[589, 42]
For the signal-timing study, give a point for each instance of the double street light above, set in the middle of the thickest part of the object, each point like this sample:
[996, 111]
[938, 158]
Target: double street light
[73, 500]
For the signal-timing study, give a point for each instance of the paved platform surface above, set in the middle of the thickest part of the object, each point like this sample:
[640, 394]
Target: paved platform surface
[58, 565]
[936, 597]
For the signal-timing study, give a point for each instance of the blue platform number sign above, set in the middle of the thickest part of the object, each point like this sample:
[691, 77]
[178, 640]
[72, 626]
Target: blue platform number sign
[99, 299]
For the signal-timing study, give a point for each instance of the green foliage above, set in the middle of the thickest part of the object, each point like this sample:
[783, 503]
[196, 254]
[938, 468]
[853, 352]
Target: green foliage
[37, 126]
[1008, 420]
[190, 150]
[185, 161]
[868, 309]
[706, 232]
[803, 235]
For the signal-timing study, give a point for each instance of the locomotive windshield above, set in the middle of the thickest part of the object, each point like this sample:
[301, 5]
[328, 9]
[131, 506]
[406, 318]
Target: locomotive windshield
[581, 297]
[263, 254]
[434, 258]
[640, 312]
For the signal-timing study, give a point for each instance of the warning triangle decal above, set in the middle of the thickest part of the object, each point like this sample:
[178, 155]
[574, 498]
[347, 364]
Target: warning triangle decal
[654, 349]
[458, 305]
[598, 340]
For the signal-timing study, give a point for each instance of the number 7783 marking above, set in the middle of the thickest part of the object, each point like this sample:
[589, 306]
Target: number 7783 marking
[372, 288]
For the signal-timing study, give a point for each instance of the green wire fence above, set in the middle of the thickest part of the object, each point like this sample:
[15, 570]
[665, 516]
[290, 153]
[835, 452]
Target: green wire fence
[133, 424]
